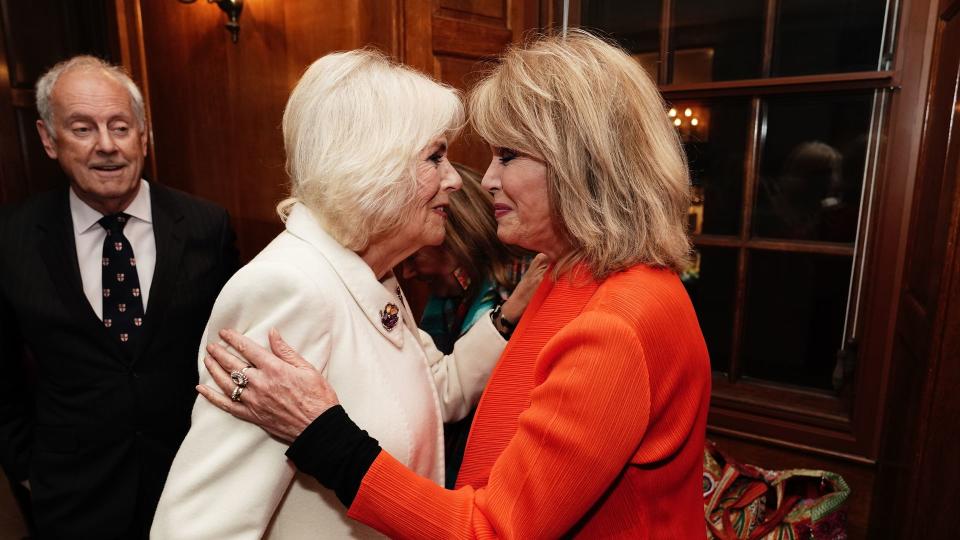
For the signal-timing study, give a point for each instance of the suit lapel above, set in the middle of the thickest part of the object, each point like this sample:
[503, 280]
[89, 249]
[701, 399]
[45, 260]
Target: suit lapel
[58, 249]
[169, 236]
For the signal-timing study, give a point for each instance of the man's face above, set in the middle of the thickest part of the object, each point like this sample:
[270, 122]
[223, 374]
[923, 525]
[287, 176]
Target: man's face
[98, 140]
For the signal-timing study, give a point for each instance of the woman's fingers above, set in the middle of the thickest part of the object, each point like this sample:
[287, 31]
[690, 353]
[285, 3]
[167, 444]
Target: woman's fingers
[225, 358]
[283, 400]
[538, 267]
[516, 304]
[284, 351]
[225, 403]
[217, 369]
[534, 274]
[218, 399]
[248, 349]
[284, 394]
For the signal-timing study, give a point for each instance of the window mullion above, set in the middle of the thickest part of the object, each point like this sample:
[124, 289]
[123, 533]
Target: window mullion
[666, 22]
[851, 321]
[769, 25]
[750, 168]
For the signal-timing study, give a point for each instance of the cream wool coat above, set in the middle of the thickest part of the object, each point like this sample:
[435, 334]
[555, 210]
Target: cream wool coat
[230, 479]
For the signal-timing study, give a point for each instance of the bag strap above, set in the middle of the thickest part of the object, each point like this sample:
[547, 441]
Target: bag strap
[721, 534]
[775, 519]
[731, 472]
[754, 491]
[727, 476]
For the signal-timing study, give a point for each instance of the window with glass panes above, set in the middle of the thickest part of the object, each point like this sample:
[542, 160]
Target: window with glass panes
[780, 105]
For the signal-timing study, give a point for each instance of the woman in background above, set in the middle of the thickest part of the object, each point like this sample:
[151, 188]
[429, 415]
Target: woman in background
[469, 275]
[593, 422]
[472, 271]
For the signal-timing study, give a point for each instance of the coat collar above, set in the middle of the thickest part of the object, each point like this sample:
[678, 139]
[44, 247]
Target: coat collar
[382, 302]
[86, 218]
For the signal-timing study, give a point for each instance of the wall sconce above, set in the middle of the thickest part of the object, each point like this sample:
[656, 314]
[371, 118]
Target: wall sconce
[690, 121]
[232, 8]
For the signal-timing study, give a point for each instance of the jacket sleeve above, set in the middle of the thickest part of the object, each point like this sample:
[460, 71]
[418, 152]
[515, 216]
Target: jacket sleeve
[229, 256]
[16, 418]
[16, 411]
[592, 392]
[229, 475]
[461, 376]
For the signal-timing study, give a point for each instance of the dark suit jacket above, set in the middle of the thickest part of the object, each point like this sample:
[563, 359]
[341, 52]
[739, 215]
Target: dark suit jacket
[96, 432]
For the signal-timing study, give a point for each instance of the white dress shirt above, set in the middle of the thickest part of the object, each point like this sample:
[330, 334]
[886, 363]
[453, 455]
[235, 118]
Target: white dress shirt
[89, 235]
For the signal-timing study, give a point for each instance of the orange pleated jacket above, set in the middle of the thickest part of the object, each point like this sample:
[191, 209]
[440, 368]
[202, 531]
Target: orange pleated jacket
[592, 425]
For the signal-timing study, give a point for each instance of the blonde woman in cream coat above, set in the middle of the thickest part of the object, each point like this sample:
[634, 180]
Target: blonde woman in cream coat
[366, 151]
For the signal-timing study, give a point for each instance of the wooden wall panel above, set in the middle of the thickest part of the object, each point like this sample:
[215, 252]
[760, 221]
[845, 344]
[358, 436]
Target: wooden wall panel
[455, 40]
[259, 85]
[461, 73]
[940, 470]
[495, 9]
[34, 36]
[457, 37]
[13, 185]
[918, 467]
[42, 32]
[380, 25]
[40, 173]
[217, 106]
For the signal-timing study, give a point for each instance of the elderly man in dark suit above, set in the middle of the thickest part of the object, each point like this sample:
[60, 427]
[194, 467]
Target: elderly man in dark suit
[105, 288]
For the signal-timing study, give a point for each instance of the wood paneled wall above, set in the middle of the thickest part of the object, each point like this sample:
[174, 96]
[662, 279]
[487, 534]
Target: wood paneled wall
[216, 106]
[455, 40]
[34, 36]
[919, 470]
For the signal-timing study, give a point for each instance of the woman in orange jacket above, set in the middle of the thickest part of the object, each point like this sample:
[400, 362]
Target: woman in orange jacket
[593, 422]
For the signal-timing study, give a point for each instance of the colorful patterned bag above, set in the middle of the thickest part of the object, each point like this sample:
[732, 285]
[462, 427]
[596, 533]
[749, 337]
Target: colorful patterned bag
[744, 502]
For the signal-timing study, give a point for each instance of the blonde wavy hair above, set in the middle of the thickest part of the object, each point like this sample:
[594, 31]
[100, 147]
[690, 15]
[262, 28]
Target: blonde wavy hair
[352, 129]
[616, 173]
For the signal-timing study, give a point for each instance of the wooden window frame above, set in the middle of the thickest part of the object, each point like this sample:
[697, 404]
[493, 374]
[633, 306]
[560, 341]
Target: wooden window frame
[845, 426]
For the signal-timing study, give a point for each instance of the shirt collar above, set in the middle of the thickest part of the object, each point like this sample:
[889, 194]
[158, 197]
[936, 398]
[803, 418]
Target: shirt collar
[381, 301]
[85, 217]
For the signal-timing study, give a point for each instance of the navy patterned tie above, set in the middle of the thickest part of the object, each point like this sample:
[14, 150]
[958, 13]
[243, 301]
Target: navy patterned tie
[122, 304]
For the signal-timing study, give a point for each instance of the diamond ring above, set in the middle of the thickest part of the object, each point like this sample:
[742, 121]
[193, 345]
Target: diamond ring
[239, 378]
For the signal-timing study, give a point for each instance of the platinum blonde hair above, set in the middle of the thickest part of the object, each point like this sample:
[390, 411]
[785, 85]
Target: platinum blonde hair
[616, 172]
[49, 79]
[352, 130]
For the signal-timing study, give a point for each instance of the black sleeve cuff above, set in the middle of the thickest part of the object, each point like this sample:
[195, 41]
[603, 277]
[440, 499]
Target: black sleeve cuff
[335, 451]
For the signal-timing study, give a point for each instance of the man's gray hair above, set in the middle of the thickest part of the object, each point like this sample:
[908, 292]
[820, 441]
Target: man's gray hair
[85, 62]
